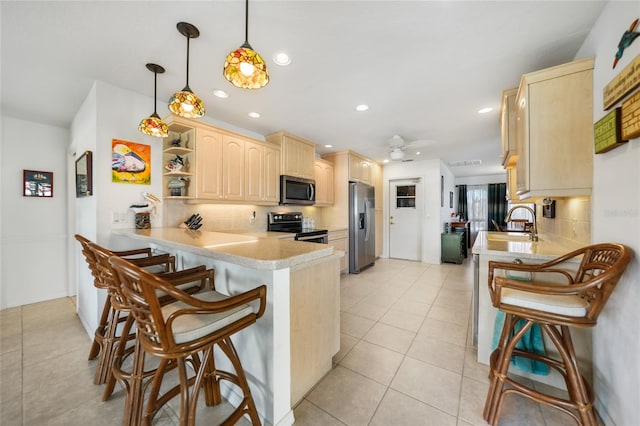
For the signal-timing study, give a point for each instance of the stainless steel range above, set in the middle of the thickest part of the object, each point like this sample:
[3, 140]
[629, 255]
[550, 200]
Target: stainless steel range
[292, 222]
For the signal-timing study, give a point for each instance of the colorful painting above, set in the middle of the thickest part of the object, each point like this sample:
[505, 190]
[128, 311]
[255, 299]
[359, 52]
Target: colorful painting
[130, 162]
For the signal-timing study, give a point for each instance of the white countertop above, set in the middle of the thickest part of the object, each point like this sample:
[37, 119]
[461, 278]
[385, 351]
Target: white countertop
[245, 250]
[506, 243]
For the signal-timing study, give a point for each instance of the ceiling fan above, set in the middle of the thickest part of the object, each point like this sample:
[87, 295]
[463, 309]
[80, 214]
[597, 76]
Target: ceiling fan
[398, 146]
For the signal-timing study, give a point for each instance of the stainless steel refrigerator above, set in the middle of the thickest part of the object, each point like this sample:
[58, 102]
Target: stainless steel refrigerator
[362, 227]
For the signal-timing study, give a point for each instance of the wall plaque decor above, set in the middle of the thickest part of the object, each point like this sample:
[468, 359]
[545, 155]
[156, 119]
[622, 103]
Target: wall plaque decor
[631, 117]
[37, 184]
[623, 83]
[130, 162]
[84, 175]
[606, 132]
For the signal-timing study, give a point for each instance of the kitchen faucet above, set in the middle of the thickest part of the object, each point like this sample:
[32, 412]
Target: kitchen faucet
[534, 228]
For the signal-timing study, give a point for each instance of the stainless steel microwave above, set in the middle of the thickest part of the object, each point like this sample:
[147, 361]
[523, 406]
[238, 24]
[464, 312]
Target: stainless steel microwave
[295, 190]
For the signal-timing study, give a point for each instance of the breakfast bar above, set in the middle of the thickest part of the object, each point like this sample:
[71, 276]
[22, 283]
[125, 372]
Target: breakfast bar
[291, 347]
[517, 247]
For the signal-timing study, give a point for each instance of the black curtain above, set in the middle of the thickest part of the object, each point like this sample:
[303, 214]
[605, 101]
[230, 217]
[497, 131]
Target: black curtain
[497, 203]
[463, 210]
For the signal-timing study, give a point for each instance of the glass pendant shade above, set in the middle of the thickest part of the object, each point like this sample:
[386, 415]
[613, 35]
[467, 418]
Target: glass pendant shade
[244, 67]
[153, 125]
[185, 103]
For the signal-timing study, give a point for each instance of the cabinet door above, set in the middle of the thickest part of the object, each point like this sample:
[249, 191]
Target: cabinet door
[306, 159]
[321, 185]
[271, 181]
[522, 141]
[561, 133]
[254, 163]
[233, 171]
[208, 164]
[508, 128]
[290, 157]
[329, 183]
[355, 168]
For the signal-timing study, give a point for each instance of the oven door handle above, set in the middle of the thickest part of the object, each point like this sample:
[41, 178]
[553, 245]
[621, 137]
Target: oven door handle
[311, 237]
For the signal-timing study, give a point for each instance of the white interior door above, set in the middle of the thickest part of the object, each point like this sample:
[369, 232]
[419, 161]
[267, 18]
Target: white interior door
[405, 232]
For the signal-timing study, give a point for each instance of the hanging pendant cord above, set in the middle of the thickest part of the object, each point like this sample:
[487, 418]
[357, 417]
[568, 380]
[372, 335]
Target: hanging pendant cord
[188, 60]
[246, 21]
[155, 92]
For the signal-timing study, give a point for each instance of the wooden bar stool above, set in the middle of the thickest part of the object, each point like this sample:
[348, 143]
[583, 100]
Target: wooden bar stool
[191, 281]
[106, 334]
[555, 307]
[186, 331]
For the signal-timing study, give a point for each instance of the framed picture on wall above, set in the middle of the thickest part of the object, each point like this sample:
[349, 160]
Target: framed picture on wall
[37, 184]
[84, 175]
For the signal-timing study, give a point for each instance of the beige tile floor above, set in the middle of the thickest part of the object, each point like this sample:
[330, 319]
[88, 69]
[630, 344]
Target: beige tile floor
[405, 359]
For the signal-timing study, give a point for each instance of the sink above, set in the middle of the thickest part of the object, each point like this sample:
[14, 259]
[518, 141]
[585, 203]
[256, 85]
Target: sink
[508, 236]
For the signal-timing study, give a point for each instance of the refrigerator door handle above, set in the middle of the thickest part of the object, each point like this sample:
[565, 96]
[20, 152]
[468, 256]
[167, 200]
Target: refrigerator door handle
[366, 220]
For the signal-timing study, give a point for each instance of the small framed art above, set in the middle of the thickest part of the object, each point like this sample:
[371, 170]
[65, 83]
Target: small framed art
[84, 175]
[37, 184]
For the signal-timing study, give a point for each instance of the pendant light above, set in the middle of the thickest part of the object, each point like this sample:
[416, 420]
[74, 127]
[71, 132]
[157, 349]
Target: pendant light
[244, 67]
[186, 103]
[153, 125]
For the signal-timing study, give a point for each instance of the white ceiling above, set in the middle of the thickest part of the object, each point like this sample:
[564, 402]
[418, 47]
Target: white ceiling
[423, 67]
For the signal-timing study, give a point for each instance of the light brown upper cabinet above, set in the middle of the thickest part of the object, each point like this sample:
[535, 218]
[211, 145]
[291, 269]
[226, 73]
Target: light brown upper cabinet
[509, 151]
[228, 167]
[554, 128]
[297, 154]
[208, 164]
[360, 169]
[324, 182]
[262, 163]
[233, 168]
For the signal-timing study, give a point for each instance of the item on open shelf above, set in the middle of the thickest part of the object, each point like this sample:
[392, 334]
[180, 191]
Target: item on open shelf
[175, 165]
[177, 186]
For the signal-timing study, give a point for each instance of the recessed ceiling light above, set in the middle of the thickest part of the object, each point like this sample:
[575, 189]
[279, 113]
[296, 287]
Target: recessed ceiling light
[328, 146]
[220, 93]
[386, 160]
[282, 59]
[418, 153]
[485, 110]
[362, 107]
[254, 115]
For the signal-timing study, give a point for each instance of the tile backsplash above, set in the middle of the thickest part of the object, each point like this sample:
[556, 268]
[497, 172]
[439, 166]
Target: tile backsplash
[229, 217]
[572, 221]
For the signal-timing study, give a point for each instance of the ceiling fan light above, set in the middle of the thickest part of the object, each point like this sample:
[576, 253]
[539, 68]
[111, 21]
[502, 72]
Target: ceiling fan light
[396, 154]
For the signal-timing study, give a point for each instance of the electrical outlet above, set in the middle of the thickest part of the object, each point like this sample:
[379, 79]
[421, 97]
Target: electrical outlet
[115, 218]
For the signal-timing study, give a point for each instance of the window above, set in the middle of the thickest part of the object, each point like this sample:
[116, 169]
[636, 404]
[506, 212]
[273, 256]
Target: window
[406, 196]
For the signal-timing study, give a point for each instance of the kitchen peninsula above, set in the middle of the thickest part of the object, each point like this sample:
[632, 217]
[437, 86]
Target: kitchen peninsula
[516, 247]
[291, 347]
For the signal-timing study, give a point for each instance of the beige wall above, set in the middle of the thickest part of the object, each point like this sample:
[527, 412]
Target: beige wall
[572, 222]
